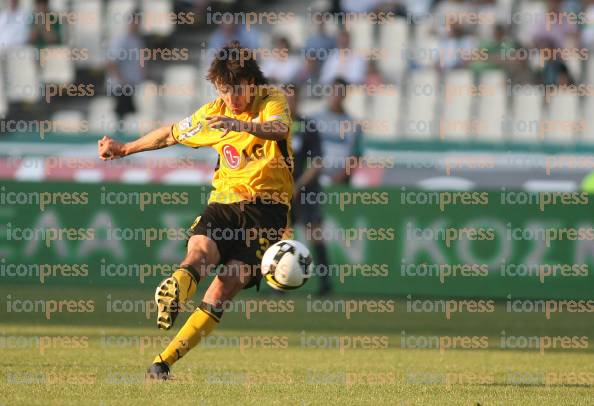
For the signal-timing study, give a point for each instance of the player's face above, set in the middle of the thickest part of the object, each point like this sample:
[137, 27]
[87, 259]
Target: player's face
[236, 98]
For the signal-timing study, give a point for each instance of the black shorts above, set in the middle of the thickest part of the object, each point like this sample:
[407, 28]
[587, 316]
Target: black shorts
[243, 231]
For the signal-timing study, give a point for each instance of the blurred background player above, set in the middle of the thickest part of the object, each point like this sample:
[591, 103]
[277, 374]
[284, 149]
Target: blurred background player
[124, 66]
[306, 210]
[340, 134]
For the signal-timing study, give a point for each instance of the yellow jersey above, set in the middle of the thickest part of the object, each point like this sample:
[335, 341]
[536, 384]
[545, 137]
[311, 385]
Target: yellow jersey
[248, 167]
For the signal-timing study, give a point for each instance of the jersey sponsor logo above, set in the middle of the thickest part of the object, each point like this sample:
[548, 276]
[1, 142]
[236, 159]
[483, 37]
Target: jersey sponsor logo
[190, 133]
[257, 153]
[185, 123]
[232, 157]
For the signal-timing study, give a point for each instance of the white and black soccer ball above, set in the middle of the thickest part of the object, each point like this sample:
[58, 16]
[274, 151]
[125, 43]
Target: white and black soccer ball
[287, 265]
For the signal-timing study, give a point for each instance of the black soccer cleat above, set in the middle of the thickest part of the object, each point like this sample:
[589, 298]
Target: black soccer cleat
[167, 299]
[158, 371]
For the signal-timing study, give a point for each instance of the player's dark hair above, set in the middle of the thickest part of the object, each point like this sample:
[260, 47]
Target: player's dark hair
[234, 64]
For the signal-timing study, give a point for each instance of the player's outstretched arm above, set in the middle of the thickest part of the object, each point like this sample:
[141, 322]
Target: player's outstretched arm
[156, 139]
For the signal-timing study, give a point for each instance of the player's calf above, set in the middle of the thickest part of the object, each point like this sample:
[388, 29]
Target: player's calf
[175, 290]
[200, 324]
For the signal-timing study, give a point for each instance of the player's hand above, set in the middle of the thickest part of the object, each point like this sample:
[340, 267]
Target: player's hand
[223, 123]
[109, 148]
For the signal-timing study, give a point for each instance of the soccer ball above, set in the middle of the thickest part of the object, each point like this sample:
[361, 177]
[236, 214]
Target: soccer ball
[287, 265]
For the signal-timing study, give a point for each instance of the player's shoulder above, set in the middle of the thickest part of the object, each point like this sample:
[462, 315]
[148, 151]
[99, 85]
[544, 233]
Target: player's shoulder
[213, 106]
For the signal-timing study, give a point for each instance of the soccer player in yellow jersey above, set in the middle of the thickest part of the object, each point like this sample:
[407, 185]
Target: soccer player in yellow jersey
[249, 126]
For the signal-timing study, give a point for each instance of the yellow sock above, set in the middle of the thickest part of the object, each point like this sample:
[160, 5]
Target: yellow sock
[187, 283]
[200, 324]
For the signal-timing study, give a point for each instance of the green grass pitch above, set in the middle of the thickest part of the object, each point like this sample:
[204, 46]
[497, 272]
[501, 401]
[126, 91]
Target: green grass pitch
[105, 361]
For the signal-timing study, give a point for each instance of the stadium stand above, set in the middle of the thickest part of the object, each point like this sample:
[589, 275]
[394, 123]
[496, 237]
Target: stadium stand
[410, 62]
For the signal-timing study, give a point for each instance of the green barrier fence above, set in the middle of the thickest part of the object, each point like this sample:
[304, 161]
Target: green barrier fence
[381, 241]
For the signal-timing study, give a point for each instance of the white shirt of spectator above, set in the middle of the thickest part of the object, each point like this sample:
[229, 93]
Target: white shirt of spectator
[346, 64]
[281, 69]
[14, 28]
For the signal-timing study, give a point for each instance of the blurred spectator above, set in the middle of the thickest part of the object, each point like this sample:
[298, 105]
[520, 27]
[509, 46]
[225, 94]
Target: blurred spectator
[418, 8]
[309, 71]
[320, 40]
[123, 67]
[197, 7]
[360, 6]
[501, 54]
[227, 32]
[455, 48]
[448, 13]
[374, 76]
[341, 135]
[588, 30]
[556, 27]
[487, 10]
[317, 46]
[496, 49]
[284, 65]
[14, 30]
[554, 71]
[305, 210]
[42, 34]
[343, 62]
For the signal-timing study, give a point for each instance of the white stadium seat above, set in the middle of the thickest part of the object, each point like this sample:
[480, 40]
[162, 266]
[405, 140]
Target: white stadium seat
[529, 13]
[355, 103]
[309, 106]
[590, 71]
[454, 124]
[205, 91]
[527, 114]
[563, 118]
[588, 134]
[86, 32]
[179, 97]
[135, 124]
[102, 117]
[146, 97]
[425, 51]
[393, 41]
[294, 29]
[504, 9]
[57, 66]
[492, 107]
[27, 5]
[3, 101]
[361, 35]
[23, 81]
[156, 19]
[68, 121]
[384, 115]
[58, 5]
[117, 17]
[419, 122]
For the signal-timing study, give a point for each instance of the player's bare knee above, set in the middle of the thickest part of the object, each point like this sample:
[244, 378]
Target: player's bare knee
[202, 254]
